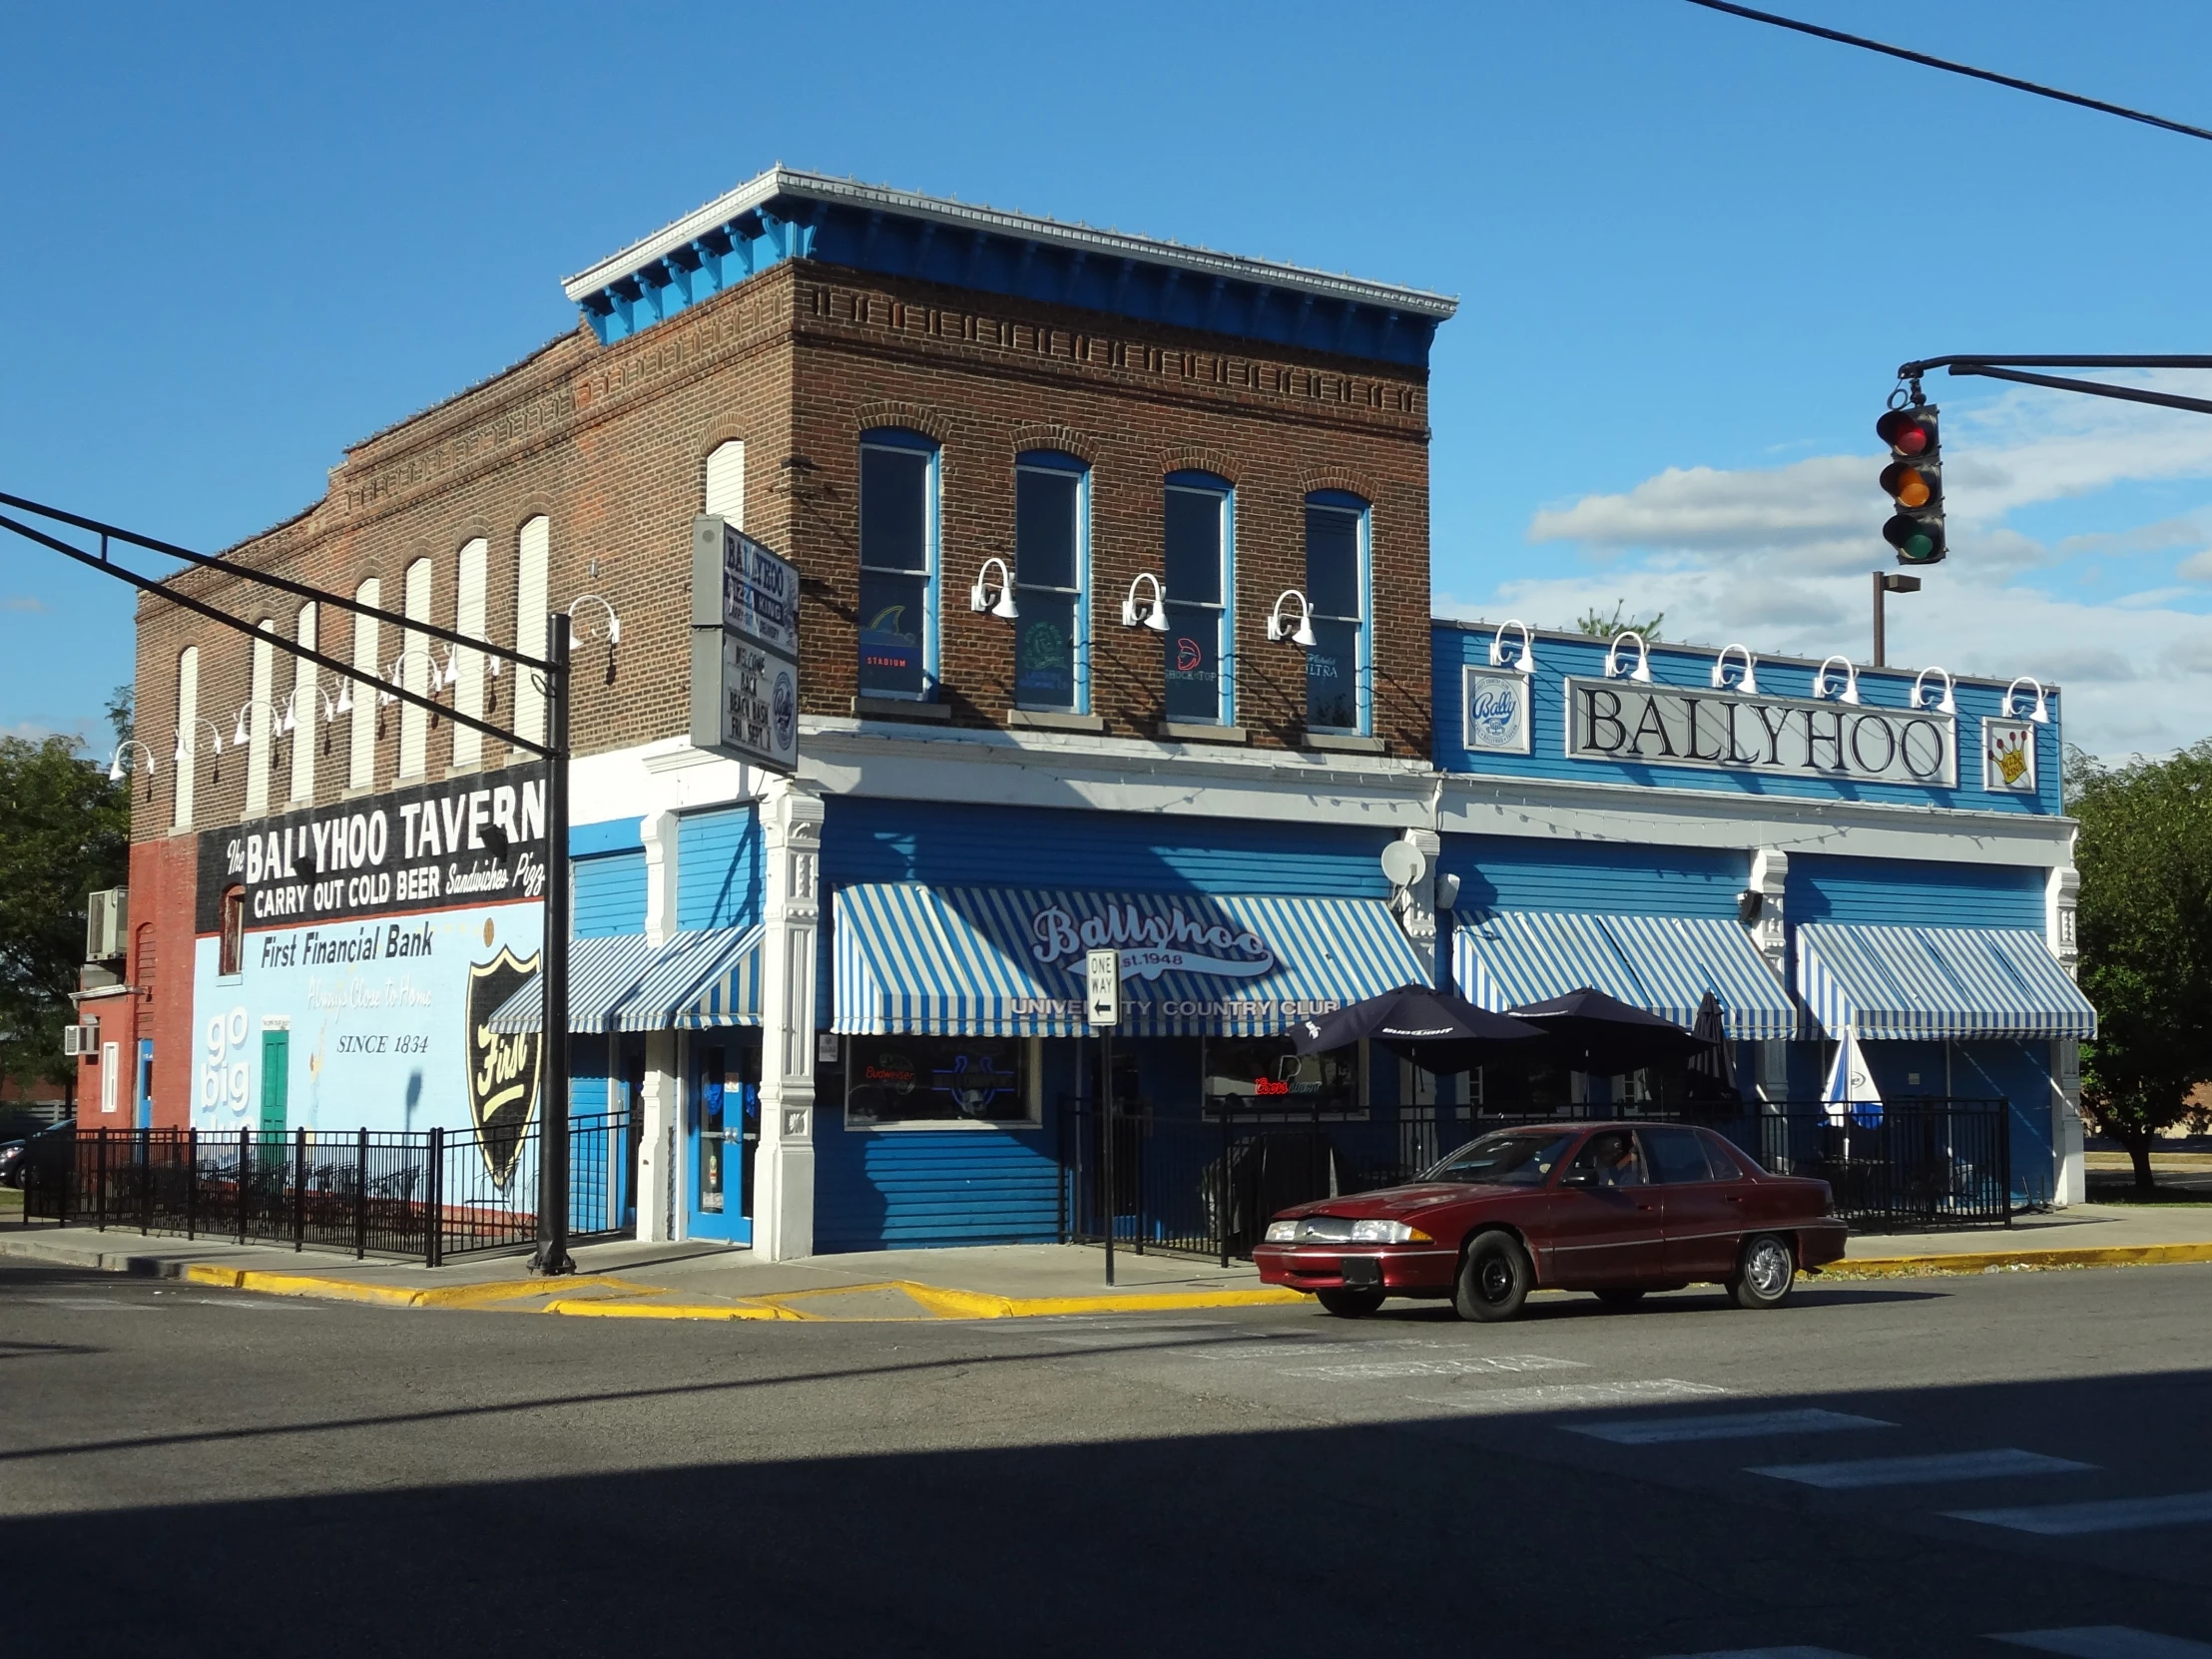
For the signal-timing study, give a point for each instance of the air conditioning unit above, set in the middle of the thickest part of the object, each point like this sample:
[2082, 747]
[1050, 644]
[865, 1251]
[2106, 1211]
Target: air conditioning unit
[81, 1040]
[107, 925]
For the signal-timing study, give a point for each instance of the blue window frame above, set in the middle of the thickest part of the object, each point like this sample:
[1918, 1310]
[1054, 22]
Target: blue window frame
[1199, 557]
[1340, 669]
[1052, 558]
[900, 564]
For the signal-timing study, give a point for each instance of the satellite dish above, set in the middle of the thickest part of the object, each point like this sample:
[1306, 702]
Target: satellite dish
[1403, 863]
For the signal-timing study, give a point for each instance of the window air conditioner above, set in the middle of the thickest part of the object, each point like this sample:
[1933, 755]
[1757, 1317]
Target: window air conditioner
[107, 925]
[80, 1040]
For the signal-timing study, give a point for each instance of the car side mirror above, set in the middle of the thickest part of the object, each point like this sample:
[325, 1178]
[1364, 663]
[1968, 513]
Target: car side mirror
[1579, 1178]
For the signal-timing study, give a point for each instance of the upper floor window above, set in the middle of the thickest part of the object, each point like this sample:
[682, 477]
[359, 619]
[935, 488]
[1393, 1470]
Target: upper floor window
[899, 564]
[1198, 558]
[1339, 669]
[724, 492]
[1052, 582]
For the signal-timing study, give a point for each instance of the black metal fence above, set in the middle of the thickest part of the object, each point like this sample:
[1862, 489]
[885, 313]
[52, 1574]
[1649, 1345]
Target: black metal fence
[1207, 1180]
[432, 1194]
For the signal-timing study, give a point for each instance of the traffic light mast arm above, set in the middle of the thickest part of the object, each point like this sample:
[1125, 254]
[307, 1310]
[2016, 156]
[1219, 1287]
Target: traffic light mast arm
[2009, 368]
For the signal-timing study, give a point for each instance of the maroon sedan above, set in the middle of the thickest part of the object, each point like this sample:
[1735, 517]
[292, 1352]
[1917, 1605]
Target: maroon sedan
[1616, 1208]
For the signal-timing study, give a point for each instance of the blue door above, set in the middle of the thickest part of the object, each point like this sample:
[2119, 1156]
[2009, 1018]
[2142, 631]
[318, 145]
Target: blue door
[142, 1086]
[723, 1124]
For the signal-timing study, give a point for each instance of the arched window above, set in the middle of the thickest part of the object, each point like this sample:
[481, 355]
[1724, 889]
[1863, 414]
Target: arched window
[188, 731]
[306, 707]
[533, 552]
[416, 669]
[725, 483]
[468, 619]
[1340, 669]
[260, 682]
[899, 565]
[1198, 557]
[1052, 577]
[230, 947]
[360, 760]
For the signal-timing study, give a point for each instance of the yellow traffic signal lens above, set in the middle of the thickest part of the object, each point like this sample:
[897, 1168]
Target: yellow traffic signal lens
[1908, 485]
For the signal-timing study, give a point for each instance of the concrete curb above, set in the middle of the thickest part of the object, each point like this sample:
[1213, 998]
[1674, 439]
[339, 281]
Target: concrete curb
[2002, 1260]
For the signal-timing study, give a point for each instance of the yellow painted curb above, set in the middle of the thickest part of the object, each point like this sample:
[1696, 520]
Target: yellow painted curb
[1997, 1260]
[975, 1305]
[583, 1308]
[387, 1296]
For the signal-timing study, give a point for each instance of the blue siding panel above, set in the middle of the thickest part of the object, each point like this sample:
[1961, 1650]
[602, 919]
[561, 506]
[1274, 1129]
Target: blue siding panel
[615, 835]
[1454, 648]
[886, 1190]
[720, 869]
[609, 895]
[1510, 873]
[1911, 892]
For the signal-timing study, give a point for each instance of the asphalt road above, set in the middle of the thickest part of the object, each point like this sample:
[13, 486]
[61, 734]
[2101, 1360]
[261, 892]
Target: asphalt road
[1886, 1469]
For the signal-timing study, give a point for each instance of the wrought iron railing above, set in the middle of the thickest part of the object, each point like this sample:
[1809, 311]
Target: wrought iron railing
[432, 1194]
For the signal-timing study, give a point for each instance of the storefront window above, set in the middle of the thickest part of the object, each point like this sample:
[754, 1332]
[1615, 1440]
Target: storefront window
[1264, 1072]
[939, 1081]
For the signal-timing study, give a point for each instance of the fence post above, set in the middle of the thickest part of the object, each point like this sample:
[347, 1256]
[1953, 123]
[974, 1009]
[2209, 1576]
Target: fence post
[245, 1149]
[300, 1189]
[360, 1197]
[433, 1240]
[145, 1150]
[1221, 1210]
[2005, 1156]
[100, 1180]
[191, 1183]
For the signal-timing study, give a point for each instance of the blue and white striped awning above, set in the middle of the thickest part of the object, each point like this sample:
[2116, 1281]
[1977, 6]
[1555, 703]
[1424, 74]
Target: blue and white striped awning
[706, 978]
[1008, 962]
[1662, 964]
[1895, 983]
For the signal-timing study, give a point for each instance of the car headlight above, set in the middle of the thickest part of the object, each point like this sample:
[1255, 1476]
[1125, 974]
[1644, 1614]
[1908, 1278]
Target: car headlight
[1338, 1230]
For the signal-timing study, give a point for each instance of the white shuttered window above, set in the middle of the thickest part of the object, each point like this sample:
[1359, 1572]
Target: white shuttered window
[258, 733]
[725, 483]
[533, 550]
[188, 736]
[307, 712]
[416, 669]
[468, 620]
[360, 769]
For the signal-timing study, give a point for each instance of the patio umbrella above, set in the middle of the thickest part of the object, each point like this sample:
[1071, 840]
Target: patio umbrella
[1712, 1070]
[1437, 1032]
[1596, 1033]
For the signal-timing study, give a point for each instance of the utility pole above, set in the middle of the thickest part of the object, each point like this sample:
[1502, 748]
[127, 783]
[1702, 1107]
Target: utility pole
[552, 1253]
[1887, 581]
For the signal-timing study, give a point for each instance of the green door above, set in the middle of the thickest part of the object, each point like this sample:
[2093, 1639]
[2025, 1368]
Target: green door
[275, 1081]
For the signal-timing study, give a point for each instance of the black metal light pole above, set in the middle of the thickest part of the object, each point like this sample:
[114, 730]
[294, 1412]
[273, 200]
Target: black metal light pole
[552, 1254]
[1888, 582]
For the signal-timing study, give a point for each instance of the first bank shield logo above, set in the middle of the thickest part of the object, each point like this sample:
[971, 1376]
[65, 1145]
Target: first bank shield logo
[502, 1065]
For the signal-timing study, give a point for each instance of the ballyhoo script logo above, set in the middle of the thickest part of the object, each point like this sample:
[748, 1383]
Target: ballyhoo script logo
[1151, 945]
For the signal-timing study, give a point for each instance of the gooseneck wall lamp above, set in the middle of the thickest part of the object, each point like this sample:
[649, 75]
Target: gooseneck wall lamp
[613, 627]
[1917, 697]
[2041, 714]
[1829, 691]
[1278, 624]
[1615, 670]
[1527, 659]
[979, 596]
[1156, 616]
[1746, 681]
[187, 745]
[150, 766]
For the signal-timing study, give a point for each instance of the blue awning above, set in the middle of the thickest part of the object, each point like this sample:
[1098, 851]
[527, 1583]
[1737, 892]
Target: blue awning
[702, 978]
[1897, 983]
[1662, 964]
[998, 961]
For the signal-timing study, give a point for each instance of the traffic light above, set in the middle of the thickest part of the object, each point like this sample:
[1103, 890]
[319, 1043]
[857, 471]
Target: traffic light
[1914, 481]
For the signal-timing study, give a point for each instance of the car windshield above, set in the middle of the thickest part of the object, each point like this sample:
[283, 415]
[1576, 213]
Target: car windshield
[1509, 1158]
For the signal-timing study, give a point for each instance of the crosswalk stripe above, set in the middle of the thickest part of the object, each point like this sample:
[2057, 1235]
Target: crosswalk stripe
[1907, 1472]
[1735, 1426]
[1478, 1365]
[1769, 1653]
[1560, 1396]
[2068, 1520]
[2107, 1641]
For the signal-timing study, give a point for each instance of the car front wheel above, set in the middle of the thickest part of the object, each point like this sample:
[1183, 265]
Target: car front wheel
[1350, 1305]
[1494, 1280]
[1763, 1273]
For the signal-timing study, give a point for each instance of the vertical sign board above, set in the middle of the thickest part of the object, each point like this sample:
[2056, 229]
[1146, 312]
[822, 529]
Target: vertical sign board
[1103, 971]
[743, 649]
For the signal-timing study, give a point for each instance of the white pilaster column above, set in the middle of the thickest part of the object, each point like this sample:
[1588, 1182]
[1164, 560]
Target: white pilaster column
[2062, 893]
[660, 877]
[784, 1172]
[659, 1217]
[1417, 904]
[1770, 879]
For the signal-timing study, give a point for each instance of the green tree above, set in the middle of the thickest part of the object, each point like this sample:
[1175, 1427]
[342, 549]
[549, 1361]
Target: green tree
[65, 832]
[1599, 627]
[2145, 933]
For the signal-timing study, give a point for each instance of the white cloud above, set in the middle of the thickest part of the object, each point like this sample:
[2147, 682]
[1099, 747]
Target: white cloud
[22, 602]
[1778, 557]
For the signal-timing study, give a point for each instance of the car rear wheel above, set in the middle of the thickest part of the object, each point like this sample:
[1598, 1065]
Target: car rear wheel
[1494, 1280]
[1350, 1305]
[1620, 1297]
[1763, 1273]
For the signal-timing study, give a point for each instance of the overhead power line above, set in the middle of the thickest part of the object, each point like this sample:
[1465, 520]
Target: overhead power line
[2013, 81]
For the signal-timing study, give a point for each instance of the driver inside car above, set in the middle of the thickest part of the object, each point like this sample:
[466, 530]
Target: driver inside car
[1618, 1163]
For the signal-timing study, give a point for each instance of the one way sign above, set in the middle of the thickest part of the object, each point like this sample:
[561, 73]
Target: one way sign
[1103, 968]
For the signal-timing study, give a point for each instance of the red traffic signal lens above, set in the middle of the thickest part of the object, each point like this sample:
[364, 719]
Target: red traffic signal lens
[1908, 485]
[1906, 431]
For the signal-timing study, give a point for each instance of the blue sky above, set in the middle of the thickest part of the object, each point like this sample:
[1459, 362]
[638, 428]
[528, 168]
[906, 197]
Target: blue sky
[1691, 251]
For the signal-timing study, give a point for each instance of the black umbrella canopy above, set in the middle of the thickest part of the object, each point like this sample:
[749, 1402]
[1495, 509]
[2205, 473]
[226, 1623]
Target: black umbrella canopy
[1590, 1031]
[1712, 1070]
[1436, 1030]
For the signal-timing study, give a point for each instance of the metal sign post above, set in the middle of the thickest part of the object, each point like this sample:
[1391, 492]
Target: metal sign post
[552, 1253]
[1102, 1010]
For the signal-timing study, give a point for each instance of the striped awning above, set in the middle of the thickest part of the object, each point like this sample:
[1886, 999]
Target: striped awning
[1895, 984]
[706, 978]
[1662, 964]
[1008, 962]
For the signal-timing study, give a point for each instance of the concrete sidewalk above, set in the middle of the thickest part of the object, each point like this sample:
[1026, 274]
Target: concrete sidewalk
[627, 1280]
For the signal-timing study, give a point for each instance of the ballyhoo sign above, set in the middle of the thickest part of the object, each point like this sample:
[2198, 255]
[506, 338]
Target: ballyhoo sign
[1150, 945]
[1625, 720]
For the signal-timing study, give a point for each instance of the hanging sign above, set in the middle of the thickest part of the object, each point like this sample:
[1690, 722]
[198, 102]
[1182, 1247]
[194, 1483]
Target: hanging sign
[1626, 722]
[743, 649]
